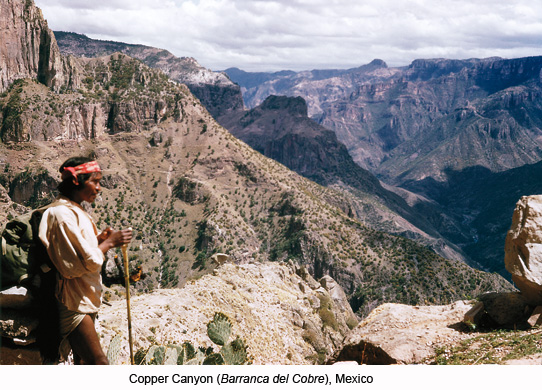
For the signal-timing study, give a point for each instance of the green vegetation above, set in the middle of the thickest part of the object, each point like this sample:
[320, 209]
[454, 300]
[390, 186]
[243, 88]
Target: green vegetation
[187, 190]
[495, 347]
[245, 171]
[13, 109]
[219, 331]
[290, 244]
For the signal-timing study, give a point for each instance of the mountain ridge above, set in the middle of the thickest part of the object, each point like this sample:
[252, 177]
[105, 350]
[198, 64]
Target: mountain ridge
[436, 116]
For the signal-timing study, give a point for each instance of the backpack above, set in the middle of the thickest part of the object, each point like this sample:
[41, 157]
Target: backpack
[22, 255]
[24, 262]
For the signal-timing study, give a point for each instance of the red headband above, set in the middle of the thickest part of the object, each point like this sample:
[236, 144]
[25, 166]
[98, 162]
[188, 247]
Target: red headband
[89, 167]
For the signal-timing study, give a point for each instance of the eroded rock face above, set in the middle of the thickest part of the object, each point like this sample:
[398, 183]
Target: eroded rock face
[523, 248]
[28, 48]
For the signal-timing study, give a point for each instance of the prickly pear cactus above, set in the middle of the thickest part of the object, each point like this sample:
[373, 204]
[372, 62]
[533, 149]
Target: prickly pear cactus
[155, 355]
[219, 329]
[235, 352]
[214, 359]
[114, 350]
[171, 356]
[198, 358]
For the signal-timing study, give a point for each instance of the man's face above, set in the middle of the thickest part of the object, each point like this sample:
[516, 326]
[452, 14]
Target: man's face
[90, 188]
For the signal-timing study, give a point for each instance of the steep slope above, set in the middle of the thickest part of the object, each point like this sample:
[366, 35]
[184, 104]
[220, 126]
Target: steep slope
[280, 129]
[190, 190]
[486, 200]
[215, 90]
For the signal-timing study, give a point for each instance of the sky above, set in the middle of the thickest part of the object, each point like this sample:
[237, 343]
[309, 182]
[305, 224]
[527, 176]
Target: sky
[272, 35]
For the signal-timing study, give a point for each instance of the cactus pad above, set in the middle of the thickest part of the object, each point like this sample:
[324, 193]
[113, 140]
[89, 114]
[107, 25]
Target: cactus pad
[219, 329]
[171, 356]
[114, 350]
[235, 352]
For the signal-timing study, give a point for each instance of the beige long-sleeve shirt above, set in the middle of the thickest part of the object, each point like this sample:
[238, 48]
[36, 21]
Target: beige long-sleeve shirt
[70, 237]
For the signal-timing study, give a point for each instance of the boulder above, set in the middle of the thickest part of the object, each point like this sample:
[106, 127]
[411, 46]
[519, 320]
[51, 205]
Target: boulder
[506, 309]
[536, 317]
[402, 334]
[474, 316]
[523, 248]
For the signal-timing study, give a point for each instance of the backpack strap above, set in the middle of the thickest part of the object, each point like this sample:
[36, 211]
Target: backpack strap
[4, 245]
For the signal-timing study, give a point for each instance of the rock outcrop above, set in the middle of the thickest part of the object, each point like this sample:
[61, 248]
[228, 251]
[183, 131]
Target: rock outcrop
[215, 90]
[402, 334]
[28, 48]
[523, 249]
[284, 318]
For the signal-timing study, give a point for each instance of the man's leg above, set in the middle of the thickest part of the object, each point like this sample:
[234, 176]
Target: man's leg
[86, 344]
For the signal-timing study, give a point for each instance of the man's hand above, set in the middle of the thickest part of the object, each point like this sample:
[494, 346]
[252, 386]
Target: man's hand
[103, 235]
[114, 238]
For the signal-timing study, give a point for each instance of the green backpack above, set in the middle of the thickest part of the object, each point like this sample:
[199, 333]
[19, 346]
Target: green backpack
[24, 262]
[22, 254]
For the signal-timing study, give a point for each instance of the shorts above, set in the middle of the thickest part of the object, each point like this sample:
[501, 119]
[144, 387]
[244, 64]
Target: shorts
[68, 320]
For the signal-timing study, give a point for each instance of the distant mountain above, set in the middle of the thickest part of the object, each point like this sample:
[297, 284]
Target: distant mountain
[315, 86]
[413, 122]
[433, 128]
[253, 79]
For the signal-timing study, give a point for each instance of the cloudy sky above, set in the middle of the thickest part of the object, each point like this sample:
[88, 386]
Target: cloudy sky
[269, 35]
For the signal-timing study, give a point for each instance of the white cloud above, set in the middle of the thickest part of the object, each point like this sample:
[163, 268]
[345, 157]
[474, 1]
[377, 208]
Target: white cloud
[308, 34]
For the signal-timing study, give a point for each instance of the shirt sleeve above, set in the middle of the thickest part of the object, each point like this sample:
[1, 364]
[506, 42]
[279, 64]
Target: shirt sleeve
[71, 252]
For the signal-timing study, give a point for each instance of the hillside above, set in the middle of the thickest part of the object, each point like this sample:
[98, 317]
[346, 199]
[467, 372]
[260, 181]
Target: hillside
[280, 129]
[424, 126]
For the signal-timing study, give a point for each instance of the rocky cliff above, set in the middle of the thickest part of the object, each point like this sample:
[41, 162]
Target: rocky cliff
[214, 89]
[28, 48]
[115, 93]
[445, 130]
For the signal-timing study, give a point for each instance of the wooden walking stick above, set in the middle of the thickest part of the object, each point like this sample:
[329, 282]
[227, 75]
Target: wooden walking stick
[124, 249]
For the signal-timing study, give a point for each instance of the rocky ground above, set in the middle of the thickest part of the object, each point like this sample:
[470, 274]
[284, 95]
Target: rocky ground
[283, 315]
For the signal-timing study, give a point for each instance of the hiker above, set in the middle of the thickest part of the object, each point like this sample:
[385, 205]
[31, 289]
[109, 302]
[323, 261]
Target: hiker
[77, 251]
